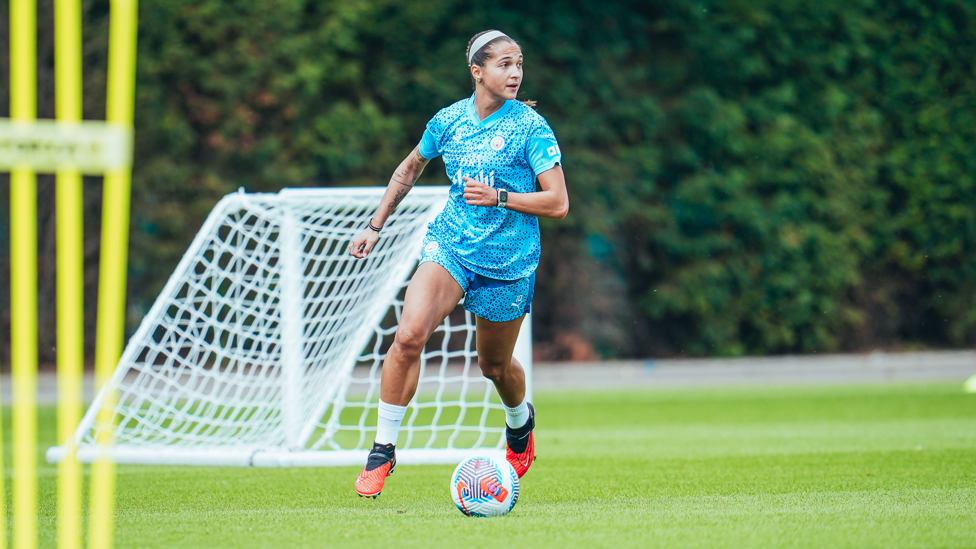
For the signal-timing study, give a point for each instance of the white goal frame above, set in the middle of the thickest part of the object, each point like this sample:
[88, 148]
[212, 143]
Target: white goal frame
[185, 372]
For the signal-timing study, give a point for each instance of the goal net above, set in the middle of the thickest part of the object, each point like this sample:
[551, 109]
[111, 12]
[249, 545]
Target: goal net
[265, 347]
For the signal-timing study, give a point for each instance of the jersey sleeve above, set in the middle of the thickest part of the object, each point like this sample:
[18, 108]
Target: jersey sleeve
[428, 146]
[542, 150]
[430, 143]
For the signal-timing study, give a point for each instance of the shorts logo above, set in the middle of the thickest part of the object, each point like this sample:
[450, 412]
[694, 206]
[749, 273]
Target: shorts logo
[431, 247]
[553, 150]
[497, 143]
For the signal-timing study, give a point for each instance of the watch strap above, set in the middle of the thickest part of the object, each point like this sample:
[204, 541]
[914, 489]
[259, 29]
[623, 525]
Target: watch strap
[501, 198]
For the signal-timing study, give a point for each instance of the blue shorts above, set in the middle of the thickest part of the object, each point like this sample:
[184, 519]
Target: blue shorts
[489, 298]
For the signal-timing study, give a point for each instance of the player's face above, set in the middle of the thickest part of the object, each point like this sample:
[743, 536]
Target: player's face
[502, 74]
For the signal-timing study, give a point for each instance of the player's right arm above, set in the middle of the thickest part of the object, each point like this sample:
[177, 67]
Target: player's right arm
[404, 178]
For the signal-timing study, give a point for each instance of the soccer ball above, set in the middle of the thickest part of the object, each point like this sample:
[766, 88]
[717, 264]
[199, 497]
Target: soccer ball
[484, 487]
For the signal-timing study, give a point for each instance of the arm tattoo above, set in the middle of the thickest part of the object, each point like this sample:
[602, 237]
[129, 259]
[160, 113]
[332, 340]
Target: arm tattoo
[400, 177]
[419, 162]
[401, 193]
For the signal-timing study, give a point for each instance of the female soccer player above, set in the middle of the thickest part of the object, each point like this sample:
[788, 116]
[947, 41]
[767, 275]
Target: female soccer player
[484, 246]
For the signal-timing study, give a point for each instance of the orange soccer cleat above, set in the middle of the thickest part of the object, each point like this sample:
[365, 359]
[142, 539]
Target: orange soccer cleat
[520, 450]
[379, 465]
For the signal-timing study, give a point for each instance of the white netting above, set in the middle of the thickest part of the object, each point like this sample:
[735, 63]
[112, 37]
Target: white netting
[270, 337]
[455, 407]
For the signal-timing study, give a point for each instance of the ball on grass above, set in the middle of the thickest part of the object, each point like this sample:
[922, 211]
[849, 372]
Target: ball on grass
[483, 486]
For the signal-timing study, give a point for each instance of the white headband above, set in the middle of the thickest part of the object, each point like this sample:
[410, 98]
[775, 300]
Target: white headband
[482, 40]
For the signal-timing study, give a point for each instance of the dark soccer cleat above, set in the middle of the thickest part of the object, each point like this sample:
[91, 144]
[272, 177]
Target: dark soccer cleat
[520, 451]
[379, 465]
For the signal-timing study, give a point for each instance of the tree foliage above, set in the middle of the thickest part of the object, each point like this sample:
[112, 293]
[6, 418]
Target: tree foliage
[745, 176]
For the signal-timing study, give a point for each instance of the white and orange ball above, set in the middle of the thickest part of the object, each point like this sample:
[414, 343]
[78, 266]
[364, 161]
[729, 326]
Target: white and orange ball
[484, 487]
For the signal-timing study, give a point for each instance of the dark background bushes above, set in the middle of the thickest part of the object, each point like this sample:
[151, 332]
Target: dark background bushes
[746, 177]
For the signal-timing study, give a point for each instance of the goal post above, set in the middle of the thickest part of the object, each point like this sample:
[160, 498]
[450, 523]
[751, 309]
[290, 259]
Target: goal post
[265, 346]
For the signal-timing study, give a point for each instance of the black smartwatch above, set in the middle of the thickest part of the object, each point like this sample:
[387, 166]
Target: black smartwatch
[502, 198]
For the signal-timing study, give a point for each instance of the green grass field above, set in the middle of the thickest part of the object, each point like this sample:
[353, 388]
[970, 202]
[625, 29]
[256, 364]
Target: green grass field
[853, 466]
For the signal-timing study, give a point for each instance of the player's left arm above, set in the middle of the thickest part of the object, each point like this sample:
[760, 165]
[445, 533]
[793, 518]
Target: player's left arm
[551, 201]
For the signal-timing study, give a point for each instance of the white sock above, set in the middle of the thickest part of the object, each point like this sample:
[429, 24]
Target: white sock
[388, 423]
[518, 416]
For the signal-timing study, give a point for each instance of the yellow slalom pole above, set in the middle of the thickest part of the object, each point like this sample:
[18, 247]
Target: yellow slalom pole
[114, 258]
[3, 490]
[23, 278]
[70, 262]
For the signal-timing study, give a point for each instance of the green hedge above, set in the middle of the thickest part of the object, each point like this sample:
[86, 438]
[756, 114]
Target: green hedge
[746, 177]
[812, 183]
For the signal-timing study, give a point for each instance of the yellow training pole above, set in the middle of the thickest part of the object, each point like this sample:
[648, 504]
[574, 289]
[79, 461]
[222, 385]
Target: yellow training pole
[3, 491]
[114, 256]
[70, 262]
[23, 278]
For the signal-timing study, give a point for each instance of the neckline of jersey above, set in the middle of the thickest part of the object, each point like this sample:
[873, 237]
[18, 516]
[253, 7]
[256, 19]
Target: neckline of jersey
[495, 116]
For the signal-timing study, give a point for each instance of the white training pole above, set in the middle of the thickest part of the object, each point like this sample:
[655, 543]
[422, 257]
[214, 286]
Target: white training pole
[292, 328]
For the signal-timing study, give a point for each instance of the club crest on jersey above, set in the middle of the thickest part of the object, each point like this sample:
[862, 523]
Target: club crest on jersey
[497, 143]
[432, 247]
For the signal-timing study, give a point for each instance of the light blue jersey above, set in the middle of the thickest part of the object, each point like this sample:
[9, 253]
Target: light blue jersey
[507, 150]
